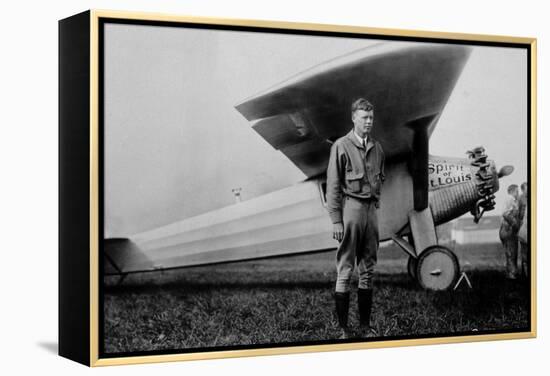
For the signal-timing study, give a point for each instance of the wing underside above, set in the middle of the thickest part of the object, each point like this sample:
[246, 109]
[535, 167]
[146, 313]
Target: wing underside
[404, 81]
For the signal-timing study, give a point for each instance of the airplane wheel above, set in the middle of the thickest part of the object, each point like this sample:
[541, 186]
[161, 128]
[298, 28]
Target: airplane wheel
[437, 268]
[411, 267]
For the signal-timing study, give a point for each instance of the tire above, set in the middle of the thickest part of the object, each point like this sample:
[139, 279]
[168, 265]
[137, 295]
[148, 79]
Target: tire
[412, 264]
[437, 268]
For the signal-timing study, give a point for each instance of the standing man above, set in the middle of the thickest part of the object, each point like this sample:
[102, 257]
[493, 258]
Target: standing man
[522, 233]
[354, 176]
[508, 232]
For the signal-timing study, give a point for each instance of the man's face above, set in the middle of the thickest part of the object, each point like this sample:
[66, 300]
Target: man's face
[362, 122]
[515, 193]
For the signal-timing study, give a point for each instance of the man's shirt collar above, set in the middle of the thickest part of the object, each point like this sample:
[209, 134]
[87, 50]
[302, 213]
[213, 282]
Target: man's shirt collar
[362, 141]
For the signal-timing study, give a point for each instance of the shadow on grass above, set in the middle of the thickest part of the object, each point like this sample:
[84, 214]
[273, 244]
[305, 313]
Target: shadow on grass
[208, 286]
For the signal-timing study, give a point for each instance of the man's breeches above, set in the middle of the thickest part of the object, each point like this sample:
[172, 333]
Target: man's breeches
[359, 245]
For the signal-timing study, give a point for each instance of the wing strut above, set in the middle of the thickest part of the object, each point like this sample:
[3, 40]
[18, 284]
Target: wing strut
[419, 162]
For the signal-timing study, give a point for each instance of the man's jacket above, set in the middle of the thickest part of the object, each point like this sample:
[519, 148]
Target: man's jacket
[353, 171]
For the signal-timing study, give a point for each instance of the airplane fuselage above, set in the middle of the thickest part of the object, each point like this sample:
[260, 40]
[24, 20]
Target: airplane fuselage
[294, 219]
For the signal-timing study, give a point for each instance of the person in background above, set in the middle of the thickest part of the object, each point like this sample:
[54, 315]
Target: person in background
[509, 231]
[523, 235]
[522, 201]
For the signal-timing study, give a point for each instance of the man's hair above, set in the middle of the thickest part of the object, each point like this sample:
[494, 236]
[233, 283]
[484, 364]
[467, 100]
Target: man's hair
[361, 104]
[512, 188]
[524, 186]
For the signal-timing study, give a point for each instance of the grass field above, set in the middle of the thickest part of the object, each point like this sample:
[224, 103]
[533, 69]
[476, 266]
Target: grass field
[289, 300]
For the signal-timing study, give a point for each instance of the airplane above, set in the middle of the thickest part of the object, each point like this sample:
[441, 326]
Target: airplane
[301, 117]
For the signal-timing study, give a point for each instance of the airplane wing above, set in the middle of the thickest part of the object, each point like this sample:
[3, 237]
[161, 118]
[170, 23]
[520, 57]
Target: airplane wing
[404, 81]
[409, 86]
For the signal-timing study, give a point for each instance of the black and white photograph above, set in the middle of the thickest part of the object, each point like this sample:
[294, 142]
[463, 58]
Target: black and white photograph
[276, 188]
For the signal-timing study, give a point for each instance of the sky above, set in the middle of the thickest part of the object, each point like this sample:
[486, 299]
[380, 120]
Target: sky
[175, 146]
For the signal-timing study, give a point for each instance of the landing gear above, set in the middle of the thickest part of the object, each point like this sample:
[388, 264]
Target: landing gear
[411, 267]
[437, 268]
[434, 266]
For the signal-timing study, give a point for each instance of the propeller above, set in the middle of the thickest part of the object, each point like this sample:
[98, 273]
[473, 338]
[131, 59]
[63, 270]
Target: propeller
[487, 185]
[505, 171]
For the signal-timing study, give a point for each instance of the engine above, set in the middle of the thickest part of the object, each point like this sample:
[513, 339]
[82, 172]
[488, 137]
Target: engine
[461, 185]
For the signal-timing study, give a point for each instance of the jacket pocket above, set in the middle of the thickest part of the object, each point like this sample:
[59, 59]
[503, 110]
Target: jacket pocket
[354, 181]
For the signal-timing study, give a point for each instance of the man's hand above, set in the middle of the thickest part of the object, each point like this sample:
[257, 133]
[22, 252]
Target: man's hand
[338, 232]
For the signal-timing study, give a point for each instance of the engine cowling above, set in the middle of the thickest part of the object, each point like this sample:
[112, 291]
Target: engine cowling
[461, 185]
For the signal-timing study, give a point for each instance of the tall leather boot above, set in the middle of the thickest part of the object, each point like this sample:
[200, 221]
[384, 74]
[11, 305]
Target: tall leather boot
[342, 309]
[364, 302]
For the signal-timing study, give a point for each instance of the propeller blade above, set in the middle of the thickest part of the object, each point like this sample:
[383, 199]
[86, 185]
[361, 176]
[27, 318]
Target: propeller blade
[505, 171]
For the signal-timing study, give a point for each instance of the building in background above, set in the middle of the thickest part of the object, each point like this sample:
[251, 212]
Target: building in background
[465, 231]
